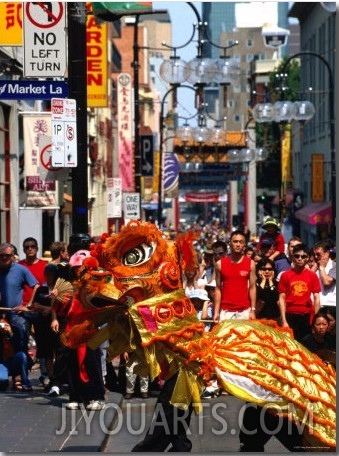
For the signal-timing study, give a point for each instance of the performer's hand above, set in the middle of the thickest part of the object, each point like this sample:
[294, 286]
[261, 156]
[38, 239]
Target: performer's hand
[252, 315]
[55, 326]
[21, 308]
[216, 317]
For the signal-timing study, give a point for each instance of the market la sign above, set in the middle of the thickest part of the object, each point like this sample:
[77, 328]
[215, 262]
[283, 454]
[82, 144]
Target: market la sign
[34, 90]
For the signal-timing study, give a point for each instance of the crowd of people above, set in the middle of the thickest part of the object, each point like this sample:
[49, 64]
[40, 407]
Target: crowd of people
[232, 278]
[270, 279]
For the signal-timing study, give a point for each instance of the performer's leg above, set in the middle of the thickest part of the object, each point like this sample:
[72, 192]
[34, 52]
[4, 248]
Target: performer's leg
[252, 436]
[259, 425]
[169, 425]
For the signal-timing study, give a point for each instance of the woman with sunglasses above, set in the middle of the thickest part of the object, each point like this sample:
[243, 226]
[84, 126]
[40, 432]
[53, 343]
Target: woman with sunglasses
[299, 289]
[267, 292]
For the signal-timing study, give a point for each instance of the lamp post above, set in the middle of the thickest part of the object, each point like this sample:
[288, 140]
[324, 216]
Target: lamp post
[199, 72]
[332, 128]
[161, 147]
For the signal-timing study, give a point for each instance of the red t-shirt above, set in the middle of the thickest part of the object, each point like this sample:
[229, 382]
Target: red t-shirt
[37, 269]
[298, 287]
[278, 240]
[234, 279]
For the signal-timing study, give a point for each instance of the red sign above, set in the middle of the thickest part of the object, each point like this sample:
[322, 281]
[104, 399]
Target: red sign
[207, 197]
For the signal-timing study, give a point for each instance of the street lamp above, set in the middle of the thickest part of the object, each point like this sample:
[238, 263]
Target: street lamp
[301, 111]
[332, 128]
[199, 72]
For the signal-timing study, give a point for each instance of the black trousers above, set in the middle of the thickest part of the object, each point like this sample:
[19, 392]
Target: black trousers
[94, 389]
[259, 425]
[169, 425]
[300, 324]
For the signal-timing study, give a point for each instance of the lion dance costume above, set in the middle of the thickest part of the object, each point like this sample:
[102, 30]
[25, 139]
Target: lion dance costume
[133, 283]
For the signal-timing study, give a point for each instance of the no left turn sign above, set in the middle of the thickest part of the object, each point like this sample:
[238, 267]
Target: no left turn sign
[44, 25]
[44, 14]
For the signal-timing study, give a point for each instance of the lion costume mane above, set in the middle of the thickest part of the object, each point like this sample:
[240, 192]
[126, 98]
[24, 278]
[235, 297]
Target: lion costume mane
[130, 294]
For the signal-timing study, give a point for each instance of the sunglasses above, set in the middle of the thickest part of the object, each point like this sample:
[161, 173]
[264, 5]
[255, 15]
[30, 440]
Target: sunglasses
[298, 256]
[266, 269]
[5, 255]
[30, 246]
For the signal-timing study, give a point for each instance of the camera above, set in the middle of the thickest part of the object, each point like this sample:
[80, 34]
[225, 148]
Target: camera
[275, 37]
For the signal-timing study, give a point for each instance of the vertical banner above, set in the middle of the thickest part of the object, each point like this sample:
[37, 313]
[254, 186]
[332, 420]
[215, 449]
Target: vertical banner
[286, 157]
[97, 62]
[317, 178]
[11, 23]
[125, 148]
[114, 197]
[38, 192]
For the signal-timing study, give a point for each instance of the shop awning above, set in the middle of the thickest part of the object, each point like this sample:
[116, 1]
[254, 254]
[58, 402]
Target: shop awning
[111, 11]
[315, 214]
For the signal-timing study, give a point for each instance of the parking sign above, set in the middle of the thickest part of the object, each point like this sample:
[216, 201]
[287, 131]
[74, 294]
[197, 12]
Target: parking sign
[64, 133]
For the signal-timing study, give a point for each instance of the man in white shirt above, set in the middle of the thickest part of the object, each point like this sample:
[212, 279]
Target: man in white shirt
[325, 268]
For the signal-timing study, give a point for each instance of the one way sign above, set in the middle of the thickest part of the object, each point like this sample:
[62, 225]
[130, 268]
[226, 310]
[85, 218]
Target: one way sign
[132, 206]
[147, 155]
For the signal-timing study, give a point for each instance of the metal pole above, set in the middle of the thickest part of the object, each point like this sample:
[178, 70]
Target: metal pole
[137, 152]
[332, 130]
[77, 81]
[161, 147]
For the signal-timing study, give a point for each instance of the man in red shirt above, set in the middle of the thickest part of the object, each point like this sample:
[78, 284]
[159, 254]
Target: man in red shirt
[297, 286]
[235, 292]
[34, 264]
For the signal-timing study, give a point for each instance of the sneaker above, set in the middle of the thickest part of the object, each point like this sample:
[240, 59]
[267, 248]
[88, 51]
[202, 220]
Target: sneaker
[72, 405]
[128, 395]
[95, 405]
[54, 392]
[208, 395]
[144, 395]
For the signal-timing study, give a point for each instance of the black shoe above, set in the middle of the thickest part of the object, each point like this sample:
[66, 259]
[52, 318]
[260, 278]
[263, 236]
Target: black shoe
[144, 395]
[128, 395]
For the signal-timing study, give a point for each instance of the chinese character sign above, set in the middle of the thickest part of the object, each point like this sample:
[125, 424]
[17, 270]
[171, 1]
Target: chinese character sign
[125, 147]
[11, 23]
[38, 192]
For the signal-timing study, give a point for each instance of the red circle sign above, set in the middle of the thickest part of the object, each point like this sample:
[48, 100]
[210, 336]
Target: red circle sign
[34, 10]
[46, 158]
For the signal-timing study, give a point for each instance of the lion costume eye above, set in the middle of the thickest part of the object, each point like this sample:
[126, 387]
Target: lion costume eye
[138, 255]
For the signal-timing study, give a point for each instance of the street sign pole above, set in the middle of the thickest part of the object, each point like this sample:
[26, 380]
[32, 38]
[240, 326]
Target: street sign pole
[78, 90]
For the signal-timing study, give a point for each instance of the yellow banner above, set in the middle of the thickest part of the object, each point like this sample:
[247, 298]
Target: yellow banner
[11, 24]
[97, 80]
[286, 157]
[317, 178]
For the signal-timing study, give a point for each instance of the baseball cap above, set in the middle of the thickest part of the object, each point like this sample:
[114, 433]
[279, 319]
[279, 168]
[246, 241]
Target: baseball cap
[267, 242]
[78, 257]
[270, 221]
[199, 293]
